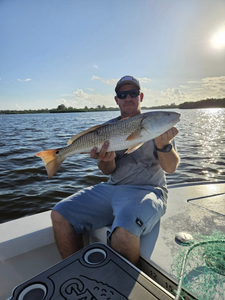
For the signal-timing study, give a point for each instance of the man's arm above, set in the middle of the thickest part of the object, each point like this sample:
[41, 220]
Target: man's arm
[168, 161]
[106, 160]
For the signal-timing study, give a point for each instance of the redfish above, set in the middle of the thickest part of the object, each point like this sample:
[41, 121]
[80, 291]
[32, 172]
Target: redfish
[129, 133]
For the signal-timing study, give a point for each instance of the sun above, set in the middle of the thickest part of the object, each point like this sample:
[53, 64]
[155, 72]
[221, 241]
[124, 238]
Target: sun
[218, 40]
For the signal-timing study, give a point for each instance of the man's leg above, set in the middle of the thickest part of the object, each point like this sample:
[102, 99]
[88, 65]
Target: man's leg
[87, 209]
[126, 244]
[136, 211]
[67, 240]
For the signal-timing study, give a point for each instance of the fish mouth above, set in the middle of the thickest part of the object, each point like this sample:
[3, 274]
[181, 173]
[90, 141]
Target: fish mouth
[176, 119]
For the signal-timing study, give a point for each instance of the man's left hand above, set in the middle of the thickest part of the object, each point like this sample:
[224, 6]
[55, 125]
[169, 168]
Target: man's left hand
[166, 138]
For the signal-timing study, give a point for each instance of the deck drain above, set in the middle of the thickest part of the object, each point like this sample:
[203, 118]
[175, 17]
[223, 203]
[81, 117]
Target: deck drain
[215, 260]
[95, 256]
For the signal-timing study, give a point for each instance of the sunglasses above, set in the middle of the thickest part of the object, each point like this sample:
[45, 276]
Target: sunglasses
[132, 93]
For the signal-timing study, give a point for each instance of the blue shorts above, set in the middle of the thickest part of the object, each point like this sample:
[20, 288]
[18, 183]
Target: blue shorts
[135, 208]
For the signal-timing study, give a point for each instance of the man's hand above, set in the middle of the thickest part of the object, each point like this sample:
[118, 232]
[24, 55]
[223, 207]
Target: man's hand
[106, 160]
[166, 138]
[103, 155]
[168, 161]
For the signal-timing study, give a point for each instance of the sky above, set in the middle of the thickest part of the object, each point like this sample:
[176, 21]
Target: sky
[73, 52]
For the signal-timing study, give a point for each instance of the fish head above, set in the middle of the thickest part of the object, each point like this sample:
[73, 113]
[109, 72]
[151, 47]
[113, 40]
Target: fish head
[158, 122]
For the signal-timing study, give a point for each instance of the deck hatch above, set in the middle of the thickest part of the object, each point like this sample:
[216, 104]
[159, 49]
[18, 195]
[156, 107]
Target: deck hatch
[85, 275]
[215, 203]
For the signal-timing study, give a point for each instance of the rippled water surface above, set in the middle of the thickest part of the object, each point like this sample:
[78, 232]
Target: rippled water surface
[25, 188]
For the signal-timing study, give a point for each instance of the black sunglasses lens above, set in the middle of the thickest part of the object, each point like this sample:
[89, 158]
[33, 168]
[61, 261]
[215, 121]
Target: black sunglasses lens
[134, 94]
[122, 95]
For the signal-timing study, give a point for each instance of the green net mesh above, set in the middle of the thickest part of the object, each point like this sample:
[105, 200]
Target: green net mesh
[200, 267]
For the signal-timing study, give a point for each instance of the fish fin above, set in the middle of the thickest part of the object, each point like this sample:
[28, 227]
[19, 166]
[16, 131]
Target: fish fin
[133, 148]
[136, 134]
[75, 137]
[51, 161]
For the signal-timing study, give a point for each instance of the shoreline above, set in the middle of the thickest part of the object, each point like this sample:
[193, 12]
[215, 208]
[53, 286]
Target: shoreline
[208, 103]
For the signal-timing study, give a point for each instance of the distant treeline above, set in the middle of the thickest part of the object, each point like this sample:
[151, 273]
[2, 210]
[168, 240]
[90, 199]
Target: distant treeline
[60, 109]
[208, 103]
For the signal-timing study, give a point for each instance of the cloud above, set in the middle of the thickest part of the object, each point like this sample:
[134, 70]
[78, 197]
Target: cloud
[81, 95]
[144, 80]
[105, 80]
[195, 90]
[28, 79]
[214, 81]
[206, 88]
[209, 87]
[18, 107]
[67, 95]
[194, 82]
[174, 95]
[95, 66]
[95, 77]
[80, 99]
[114, 81]
[63, 101]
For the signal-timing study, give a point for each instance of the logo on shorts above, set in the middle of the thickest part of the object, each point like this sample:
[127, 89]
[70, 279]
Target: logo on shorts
[139, 222]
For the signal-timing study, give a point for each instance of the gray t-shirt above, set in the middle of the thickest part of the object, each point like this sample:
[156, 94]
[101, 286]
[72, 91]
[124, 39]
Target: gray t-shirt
[140, 167]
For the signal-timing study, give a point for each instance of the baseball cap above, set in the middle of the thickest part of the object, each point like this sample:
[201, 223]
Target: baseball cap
[127, 79]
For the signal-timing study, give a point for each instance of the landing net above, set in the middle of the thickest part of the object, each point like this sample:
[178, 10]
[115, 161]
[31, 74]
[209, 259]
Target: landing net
[200, 267]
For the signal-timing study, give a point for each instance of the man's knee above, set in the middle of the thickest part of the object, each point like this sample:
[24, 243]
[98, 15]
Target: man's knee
[57, 217]
[122, 235]
[119, 232]
[126, 243]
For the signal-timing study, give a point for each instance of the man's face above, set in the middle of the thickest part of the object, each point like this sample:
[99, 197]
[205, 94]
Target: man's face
[129, 106]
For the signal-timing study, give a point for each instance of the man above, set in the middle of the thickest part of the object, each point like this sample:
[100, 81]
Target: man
[134, 198]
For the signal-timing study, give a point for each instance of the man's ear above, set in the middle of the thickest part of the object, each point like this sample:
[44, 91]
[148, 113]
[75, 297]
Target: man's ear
[116, 99]
[141, 97]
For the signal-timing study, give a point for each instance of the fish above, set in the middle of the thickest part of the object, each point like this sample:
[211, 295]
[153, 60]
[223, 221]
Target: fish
[129, 133]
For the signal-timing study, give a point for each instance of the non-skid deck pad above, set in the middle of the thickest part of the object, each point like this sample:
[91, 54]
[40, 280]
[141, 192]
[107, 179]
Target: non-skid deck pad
[94, 273]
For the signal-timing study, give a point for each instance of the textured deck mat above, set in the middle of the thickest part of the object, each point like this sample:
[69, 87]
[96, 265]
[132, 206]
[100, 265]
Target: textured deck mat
[94, 273]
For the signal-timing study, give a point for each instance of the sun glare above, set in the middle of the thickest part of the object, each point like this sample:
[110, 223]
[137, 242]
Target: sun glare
[218, 40]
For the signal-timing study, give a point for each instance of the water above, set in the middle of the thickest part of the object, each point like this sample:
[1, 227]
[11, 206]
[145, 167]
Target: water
[25, 188]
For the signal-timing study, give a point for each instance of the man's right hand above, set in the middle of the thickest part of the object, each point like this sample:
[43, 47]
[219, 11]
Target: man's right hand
[106, 160]
[103, 155]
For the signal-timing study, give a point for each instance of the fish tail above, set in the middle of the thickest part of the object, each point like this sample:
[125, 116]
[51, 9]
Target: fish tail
[51, 160]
